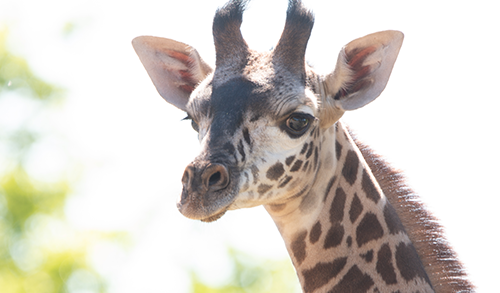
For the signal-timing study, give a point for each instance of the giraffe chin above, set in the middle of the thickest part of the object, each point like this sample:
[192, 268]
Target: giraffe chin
[202, 213]
[214, 217]
[193, 206]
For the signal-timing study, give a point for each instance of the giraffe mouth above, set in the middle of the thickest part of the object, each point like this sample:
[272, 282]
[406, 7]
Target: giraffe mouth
[209, 189]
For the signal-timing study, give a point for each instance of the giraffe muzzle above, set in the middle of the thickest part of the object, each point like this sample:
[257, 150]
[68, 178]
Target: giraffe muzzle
[205, 195]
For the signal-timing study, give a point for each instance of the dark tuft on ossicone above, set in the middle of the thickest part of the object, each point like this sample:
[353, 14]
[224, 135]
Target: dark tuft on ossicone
[291, 47]
[229, 15]
[226, 30]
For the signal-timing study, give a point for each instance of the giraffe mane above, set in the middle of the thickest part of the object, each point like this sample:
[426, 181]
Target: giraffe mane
[445, 271]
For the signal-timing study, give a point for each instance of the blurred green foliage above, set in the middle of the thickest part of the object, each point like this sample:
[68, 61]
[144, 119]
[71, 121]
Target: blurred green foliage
[253, 275]
[16, 75]
[39, 250]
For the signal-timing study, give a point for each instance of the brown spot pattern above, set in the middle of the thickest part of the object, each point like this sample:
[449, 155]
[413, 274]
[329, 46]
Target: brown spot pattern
[336, 232]
[304, 148]
[353, 281]
[392, 220]
[322, 273]
[350, 169]
[263, 188]
[299, 247]
[316, 132]
[305, 166]
[310, 151]
[285, 181]
[316, 157]
[289, 160]
[296, 166]
[315, 233]
[338, 149]
[334, 236]
[349, 241]
[368, 256]
[409, 263]
[368, 187]
[337, 207]
[275, 171]
[329, 187]
[356, 208]
[384, 265]
[368, 229]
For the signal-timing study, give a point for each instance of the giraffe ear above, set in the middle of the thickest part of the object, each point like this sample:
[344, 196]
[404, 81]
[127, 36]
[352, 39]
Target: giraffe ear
[362, 71]
[175, 68]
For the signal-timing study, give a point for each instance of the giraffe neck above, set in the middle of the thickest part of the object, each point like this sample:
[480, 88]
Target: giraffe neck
[343, 235]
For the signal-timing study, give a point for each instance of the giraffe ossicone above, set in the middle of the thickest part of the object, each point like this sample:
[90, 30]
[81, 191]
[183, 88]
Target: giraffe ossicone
[270, 135]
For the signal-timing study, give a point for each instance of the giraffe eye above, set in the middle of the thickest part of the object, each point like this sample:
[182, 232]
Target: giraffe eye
[193, 123]
[298, 123]
[195, 126]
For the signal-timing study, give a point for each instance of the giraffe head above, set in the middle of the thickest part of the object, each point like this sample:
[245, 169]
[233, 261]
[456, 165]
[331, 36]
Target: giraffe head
[261, 117]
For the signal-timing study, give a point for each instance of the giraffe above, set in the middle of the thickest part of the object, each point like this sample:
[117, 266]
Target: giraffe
[270, 133]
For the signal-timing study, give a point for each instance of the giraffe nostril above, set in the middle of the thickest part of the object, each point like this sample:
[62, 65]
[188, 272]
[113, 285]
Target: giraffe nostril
[214, 179]
[188, 174]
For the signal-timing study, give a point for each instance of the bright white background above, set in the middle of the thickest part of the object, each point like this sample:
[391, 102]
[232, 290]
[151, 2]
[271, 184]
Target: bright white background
[437, 120]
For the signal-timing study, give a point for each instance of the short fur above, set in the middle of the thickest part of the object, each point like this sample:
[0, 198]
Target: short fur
[445, 271]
